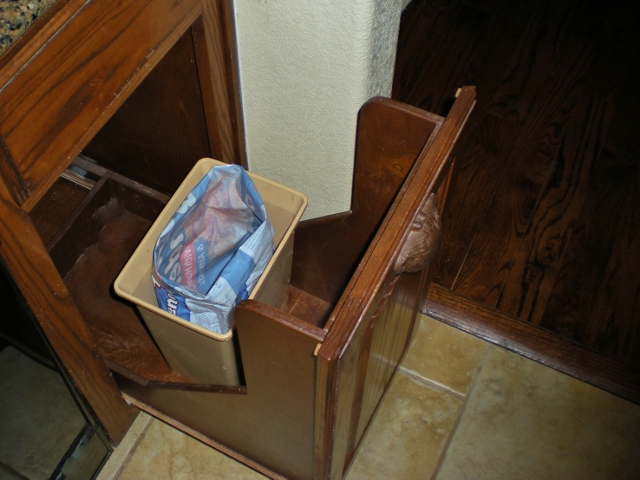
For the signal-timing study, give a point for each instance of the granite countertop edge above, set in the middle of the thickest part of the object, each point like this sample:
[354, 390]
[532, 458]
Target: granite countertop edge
[16, 16]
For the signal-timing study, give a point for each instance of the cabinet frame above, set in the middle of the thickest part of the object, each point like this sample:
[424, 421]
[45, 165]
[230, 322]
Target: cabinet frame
[60, 85]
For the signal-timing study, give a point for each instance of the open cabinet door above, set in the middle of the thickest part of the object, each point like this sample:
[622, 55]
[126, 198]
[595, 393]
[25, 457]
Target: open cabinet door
[372, 323]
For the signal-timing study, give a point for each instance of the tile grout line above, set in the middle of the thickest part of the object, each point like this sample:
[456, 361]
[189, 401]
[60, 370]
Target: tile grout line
[430, 383]
[12, 471]
[456, 424]
[131, 450]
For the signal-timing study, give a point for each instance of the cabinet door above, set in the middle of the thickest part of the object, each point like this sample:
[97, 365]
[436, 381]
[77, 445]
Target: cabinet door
[373, 321]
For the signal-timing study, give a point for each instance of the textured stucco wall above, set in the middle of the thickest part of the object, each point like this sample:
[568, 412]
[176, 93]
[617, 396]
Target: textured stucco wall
[306, 68]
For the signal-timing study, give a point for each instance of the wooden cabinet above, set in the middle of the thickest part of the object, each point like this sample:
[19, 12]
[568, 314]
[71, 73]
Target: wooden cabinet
[317, 361]
[60, 85]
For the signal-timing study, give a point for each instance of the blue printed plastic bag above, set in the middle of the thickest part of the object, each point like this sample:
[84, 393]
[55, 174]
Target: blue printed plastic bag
[213, 250]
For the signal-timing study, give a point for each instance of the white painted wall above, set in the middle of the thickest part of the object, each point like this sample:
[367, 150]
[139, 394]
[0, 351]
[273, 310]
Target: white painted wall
[306, 68]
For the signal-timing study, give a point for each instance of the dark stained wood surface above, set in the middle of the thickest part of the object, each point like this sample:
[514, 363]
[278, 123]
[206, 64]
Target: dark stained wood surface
[215, 44]
[160, 132]
[322, 267]
[346, 382]
[53, 210]
[542, 222]
[541, 247]
[305, 306]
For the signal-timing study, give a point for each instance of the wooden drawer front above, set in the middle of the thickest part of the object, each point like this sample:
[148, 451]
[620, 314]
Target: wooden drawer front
[61, 98]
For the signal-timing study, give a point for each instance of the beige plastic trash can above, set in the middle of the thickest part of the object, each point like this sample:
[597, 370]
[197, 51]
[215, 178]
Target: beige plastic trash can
[192, 351]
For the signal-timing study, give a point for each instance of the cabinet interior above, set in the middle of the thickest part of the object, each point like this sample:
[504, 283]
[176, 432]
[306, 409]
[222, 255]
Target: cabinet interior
[91, 224]
[97, 212]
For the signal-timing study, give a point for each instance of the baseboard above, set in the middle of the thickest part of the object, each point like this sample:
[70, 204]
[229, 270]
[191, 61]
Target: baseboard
[533, 342]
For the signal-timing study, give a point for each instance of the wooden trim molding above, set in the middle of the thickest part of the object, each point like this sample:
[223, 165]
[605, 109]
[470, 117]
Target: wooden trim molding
[10, 174]
[532, 342]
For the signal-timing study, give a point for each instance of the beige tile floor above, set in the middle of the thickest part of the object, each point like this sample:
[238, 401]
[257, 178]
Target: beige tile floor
[39, 420]
[460, 408]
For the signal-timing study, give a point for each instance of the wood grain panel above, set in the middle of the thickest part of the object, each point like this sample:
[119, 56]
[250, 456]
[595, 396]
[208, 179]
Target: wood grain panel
[478, 172]
[221, 96]
[421, 29]
[160, 132]
[31, 41]
[443, 72]
[486, 36]
[614, 327]
[531, 63]
[11, 175]
[327, 251]
[338, 356]
[585, 259]
[603, 232]
[59, 100]
[615, 35]
[539, 258]
[390, 337]
[502, 229]
[614, 323]
[623, 142]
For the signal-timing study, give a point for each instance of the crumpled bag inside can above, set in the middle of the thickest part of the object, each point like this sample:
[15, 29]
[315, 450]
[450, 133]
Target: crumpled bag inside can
[213, 250]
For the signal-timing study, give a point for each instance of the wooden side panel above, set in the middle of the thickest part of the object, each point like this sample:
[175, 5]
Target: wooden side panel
[349, 337]
[273, 423]
[59, 100]
[328, 250]
[375, 353]
[28, 262]
[390, 337]
[37, 35]
[160, 132]
[382, 345]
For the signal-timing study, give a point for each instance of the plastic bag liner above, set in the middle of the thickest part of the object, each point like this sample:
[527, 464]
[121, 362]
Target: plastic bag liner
[213, 250]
